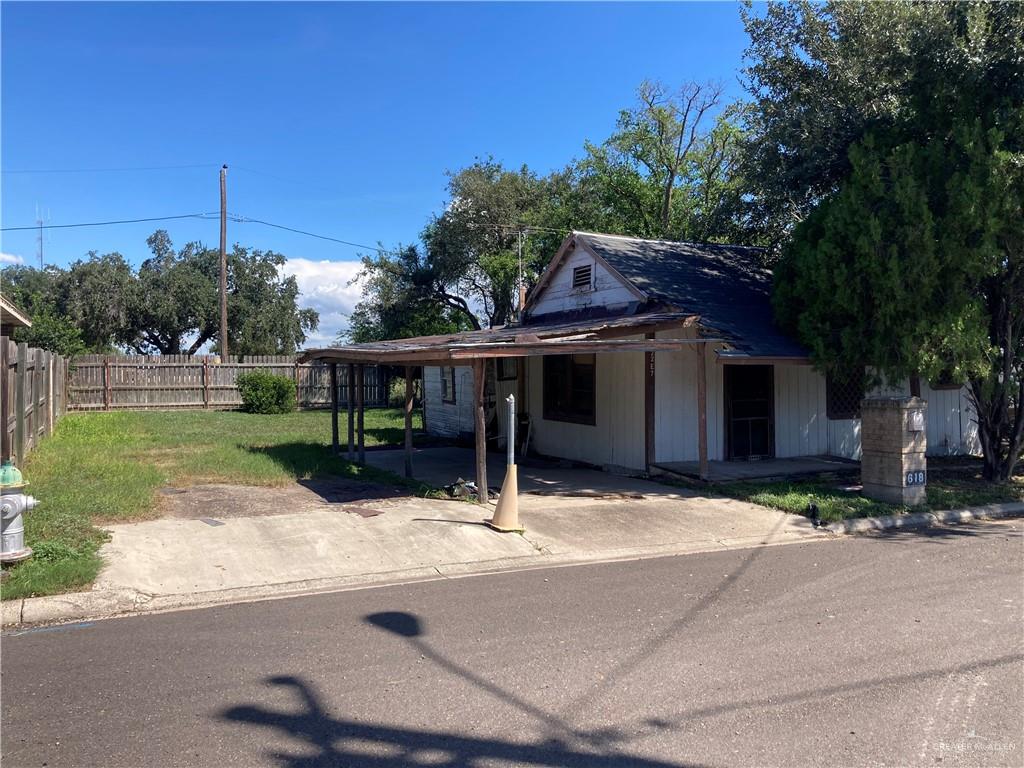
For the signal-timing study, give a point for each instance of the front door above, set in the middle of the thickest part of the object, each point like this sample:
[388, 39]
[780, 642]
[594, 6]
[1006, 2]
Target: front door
[749, 411]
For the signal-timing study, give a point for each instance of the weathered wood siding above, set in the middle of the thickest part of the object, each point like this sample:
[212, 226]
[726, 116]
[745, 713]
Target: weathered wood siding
[559, 295]
[616, 441]
[448, 419]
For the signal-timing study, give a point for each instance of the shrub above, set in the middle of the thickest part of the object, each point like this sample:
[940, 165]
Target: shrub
[263, 392]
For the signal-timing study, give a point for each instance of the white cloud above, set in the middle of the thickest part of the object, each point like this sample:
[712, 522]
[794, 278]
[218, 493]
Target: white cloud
[11, 258]
[327, 287]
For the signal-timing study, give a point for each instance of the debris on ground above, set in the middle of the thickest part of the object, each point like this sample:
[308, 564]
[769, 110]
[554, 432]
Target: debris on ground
[462, 489]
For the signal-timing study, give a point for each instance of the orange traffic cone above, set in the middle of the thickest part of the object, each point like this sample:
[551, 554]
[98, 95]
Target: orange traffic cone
[506, 513]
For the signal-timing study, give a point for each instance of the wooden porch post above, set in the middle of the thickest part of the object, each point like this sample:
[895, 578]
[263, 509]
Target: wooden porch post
[408, 420]
[335, 448]
[360, 369]
[351, 402]
[480, 430]
[649, 411]
[702, 410]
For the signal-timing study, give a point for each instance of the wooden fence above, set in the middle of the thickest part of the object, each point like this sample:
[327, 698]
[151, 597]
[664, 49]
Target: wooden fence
[162, 382]
[33, 390]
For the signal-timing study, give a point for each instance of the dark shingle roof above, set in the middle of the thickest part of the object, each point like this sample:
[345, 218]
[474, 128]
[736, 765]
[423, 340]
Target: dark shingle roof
[725, 284]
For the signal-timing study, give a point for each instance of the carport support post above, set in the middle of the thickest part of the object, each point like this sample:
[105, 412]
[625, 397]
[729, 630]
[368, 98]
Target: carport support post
[480, 430]
[351, 403]
[702, 410]
[334, 409]
[408, 421]
[360, 370]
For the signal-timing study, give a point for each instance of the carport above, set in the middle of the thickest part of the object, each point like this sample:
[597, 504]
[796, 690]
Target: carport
[475, 348]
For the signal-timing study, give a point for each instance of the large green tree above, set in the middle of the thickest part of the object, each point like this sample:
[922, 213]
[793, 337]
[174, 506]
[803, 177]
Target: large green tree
[907, 255]
[170, 305]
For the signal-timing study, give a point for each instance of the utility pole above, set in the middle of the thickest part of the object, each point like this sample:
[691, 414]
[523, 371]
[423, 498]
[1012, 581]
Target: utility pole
[224, 264]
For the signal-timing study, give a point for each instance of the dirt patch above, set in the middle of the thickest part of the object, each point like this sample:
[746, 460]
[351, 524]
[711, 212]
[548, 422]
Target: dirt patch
[219, 501]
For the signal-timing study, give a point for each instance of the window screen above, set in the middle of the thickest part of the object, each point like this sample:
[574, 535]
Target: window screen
[843, 393]
[448, 384]
[570, 388]
[506, 368]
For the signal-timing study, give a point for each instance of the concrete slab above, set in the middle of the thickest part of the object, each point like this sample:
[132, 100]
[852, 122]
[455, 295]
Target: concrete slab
[172, 556]
[221, 539]
[728, 471]
[439, 467]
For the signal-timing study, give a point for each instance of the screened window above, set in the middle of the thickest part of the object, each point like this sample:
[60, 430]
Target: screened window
[581, 277]
[570, 388]
[448, 384]
[506, 368]
[843, 394]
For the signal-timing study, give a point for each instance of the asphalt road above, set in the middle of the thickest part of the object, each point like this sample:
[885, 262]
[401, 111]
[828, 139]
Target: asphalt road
[903, 649]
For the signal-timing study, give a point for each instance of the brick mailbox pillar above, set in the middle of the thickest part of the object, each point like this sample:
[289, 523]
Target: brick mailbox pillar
[893, 444]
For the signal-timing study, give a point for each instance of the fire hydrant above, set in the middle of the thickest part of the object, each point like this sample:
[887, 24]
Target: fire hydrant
[13, 503]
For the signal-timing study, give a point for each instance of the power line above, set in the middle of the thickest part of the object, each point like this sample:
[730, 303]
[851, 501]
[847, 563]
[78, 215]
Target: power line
[247, 220]
[106, 223]
[107, 170]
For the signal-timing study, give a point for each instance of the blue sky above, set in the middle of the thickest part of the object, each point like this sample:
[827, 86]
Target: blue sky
[335, 118]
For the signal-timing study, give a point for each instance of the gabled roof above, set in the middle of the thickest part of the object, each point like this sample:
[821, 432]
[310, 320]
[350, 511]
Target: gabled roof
[726, 285]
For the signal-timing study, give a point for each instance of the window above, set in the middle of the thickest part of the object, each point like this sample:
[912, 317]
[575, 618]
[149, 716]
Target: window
[448, 384]
[569, 388]
[581, 277]
[843, 394]
[507, 369]
[946, 380]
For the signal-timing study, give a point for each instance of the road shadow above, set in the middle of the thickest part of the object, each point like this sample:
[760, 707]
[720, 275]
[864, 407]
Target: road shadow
[338, 742]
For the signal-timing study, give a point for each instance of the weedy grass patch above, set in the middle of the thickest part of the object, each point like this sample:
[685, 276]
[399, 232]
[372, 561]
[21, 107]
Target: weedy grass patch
[945, 491]
[108, 467]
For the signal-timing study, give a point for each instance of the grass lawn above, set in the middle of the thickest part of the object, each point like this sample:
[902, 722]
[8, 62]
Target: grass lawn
[107, 467]
[946, 490]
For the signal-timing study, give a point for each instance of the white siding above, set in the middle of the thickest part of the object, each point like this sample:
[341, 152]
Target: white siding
[448, 419]
[559, 295]
[675, 402]
[801, 427]
[616, 440]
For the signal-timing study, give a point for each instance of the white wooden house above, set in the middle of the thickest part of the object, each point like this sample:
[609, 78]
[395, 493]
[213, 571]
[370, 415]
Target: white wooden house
[640, 355]
[763, 399]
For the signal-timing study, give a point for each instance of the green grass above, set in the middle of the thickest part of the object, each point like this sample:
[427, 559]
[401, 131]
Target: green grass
[108, 467]
[944, 492]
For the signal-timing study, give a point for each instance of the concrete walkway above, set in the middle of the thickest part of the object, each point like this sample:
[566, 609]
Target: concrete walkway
[230, 543]
[236, 538]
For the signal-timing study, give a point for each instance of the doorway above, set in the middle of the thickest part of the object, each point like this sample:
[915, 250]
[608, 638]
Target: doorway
[749, 411]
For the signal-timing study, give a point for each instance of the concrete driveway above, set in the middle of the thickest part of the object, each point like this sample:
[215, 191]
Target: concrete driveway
[222, 543]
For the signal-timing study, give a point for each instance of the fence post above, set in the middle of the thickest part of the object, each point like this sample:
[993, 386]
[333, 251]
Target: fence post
[19, 403]
[295, 377]
[106, 383]
[48, 384]
[206, 382]
[5, 394]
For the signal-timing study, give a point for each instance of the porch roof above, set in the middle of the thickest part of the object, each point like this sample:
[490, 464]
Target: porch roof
[555, 338]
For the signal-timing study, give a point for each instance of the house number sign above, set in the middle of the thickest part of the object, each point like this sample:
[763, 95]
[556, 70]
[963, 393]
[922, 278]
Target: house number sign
[916, 477]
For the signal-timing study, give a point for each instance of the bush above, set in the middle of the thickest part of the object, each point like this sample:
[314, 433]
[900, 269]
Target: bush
[263, 392]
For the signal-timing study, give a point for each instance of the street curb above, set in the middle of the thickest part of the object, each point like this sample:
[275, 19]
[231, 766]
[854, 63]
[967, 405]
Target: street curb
[112, 603]
[927, 519]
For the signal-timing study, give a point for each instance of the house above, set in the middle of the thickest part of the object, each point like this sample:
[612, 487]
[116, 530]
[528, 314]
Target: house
[635, 355]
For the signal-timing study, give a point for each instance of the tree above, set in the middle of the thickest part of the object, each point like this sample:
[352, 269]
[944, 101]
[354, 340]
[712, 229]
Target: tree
[402, 297]
[171, 304]
[914, 263]
[821, 76]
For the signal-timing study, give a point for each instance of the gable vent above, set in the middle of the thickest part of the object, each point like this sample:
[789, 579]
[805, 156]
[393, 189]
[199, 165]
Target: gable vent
[581, 277]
